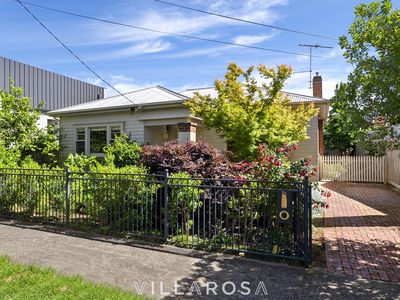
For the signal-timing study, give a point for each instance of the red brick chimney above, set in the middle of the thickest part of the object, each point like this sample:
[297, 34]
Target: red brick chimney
[317, 85]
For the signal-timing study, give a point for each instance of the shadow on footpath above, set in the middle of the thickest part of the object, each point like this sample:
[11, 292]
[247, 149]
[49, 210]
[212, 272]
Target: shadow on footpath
[280, 282]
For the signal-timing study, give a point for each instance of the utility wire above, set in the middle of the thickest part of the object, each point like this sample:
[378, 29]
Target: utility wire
[163, 32]
[244, 21]
[75, 55]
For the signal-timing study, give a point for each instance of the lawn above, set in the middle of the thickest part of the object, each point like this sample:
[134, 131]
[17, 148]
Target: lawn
[30, 282]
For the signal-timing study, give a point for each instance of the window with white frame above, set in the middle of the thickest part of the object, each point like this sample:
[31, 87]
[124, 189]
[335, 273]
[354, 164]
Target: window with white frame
[80, 140]
[114, 131]
[91, 140]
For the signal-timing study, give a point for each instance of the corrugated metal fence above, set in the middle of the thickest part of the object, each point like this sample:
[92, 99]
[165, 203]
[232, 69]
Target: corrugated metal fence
[352, 168]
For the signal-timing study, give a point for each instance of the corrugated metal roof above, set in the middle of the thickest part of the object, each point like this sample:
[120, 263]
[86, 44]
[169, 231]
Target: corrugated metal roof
[143, 97]
[292, 96]
[158, 95]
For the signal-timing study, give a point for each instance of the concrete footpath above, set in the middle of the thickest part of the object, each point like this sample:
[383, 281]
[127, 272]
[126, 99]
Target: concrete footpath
[158, 271]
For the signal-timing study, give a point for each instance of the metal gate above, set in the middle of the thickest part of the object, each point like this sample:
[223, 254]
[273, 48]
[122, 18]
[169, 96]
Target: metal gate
[352, 168]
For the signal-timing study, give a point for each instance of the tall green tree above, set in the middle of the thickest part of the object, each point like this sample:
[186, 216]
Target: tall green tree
[19, 129]
[339, 131]
[248, 114]
[372, 90]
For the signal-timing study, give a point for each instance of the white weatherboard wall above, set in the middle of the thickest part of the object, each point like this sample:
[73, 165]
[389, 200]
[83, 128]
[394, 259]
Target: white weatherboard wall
[211, 137]
[393, 168]
[145, 126]
[69, 124]
[308, 147]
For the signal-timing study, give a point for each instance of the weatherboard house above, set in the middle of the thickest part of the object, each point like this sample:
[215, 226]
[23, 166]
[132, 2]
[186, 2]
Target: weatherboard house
[88, 127]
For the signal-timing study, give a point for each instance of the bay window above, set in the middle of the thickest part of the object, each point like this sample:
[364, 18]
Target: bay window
[91, 140]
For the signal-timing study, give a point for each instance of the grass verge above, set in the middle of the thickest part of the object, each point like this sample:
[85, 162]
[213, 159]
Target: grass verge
[19, 281]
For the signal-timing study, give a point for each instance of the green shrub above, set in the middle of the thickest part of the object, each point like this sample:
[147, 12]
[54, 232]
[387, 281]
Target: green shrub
[9, 158]
[120, 198]
[81, 162]
[32, 190]
[184, 200]
[122, 152]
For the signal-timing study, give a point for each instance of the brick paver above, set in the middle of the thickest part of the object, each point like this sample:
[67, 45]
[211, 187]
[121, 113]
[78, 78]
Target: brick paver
[362, 230]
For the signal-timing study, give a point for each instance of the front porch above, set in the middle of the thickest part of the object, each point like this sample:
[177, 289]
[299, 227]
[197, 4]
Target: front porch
[157, 133]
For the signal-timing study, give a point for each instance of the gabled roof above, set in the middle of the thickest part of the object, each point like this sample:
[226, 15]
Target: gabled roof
[156, 95]
[295, 98]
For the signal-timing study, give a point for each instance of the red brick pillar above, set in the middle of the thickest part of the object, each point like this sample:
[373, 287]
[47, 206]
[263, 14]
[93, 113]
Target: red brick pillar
[186, 132]
[321, 136]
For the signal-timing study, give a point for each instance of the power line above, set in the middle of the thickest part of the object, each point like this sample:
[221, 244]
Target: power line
[163, 32]
[245, 21]
[75, 55]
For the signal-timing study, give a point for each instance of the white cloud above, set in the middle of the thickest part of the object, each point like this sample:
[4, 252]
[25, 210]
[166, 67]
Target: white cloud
[253, 39]
[122, 83]
[335, 52]
[251, 4]
[189, 86]
[211, 52]
[302, 58]
[181, 22]
[135, 49]
[299, 83]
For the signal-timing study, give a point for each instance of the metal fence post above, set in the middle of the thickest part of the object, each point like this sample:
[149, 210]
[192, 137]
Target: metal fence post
[68, 194]
[307, 222]
[166, 226]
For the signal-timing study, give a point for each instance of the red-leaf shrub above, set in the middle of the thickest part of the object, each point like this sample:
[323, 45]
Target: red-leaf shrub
[199, 159]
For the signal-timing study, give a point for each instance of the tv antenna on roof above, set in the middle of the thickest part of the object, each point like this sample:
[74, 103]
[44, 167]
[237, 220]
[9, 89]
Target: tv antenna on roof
[311, 47]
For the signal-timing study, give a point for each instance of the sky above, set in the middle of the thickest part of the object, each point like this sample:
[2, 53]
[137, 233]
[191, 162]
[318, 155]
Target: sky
[131, 59]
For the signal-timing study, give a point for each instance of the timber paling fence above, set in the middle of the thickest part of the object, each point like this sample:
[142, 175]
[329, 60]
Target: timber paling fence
[352, 168]
[258, 217]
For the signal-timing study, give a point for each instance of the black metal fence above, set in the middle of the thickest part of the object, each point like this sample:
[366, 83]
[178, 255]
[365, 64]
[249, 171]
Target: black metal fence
[269, 218]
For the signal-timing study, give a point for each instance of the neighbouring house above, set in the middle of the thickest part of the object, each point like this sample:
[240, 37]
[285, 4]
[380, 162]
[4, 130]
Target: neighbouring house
[54, 90]
[88, 127]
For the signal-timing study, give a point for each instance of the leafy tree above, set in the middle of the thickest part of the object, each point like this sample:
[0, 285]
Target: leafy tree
[248, 114]
[373, 89]
[339, 131]
[19, 129]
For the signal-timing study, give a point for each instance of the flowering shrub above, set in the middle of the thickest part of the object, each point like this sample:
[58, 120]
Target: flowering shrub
[319, 197]
[273, 164]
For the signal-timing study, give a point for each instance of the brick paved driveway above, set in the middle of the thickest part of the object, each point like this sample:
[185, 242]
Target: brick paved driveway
[362, 230]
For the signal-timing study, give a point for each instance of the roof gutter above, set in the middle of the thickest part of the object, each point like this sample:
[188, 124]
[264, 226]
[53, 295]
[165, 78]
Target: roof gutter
[100, 109]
